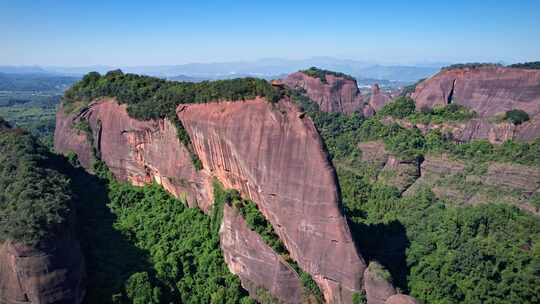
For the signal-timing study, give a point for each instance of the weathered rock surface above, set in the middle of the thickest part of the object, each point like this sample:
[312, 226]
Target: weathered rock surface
[277, 160]
[487, 90]
[52, 272]
[378, 98]
[378, 288]
[135, 151]
[257, 265]
[401, 299]
[337, 95]
[267, 151]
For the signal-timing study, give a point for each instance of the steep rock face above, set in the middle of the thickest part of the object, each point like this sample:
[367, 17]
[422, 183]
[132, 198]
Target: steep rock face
[257, 265]
[69, 139]
[276, 159]
[337, 95]
[135, 151]
[378, 99]
[401, 299]
[52, 272]
[377, 288]
[487, 90]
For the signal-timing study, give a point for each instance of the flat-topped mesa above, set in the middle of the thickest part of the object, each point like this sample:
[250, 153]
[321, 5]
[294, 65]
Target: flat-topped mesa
[267, 150]
[487, 90]
[333, 92]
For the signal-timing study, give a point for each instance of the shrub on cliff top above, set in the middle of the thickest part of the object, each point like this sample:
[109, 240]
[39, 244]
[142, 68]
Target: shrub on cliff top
[401, 107]
[321, 74]
[516, 116]
[526, 65]
[154, 98]
[35, 195]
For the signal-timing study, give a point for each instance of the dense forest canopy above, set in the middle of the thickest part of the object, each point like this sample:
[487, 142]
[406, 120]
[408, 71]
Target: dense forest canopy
[35, 196]
[437, 251]
[152, 98]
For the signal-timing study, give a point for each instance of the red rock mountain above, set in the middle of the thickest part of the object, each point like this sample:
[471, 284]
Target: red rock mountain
[52, 272]
[488, 90]
[269, 152]
[338, 94]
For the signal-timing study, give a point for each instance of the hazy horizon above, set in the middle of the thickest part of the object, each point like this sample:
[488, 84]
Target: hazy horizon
[137, 33]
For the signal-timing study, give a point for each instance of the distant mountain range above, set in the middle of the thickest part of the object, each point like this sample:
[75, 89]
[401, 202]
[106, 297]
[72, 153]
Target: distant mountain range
[264, 68]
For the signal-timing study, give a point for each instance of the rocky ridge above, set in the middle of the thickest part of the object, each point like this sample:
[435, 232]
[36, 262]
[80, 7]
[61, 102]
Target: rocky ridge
[250, 146]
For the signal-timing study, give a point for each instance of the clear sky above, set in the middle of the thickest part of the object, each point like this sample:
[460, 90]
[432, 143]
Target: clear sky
[114, 32]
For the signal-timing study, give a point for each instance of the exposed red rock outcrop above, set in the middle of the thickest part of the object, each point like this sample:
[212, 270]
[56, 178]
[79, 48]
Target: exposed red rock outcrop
[487, 90]
[267, 151]
[277, 160]
[135, 151]
[378, 288]
[378, 99]
[401, 299]
[257, 265]
[52, 272]
[337, 95]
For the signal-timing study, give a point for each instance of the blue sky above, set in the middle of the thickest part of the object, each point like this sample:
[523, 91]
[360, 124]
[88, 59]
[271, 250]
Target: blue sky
[63, 32]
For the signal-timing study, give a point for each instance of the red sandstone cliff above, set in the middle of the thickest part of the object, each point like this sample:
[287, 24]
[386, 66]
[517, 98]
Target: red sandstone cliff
[51, 272]
[267, 151]
[378, 99]
[338, 94]
[257, 265]
[487, 90]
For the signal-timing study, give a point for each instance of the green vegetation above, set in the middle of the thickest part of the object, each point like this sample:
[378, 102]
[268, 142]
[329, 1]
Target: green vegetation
[144, 246]
[321, 74]
[401, 107]
[405, 108]
[35, 196]
[526, 65]
[438, 115]
[359, 298]
[516, 116]
[472, 65]
[154, 98]
[32, 111]
[434, 250]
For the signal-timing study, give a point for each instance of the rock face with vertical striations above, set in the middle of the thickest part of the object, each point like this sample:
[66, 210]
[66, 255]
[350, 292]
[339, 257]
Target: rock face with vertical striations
[137, 151]
[488, 90]
[51, 272]
[338, 94]
[276, 159]
[269, 152]
[257, 265]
